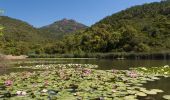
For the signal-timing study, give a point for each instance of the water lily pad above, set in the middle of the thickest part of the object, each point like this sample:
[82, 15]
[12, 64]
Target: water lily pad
[130, 97]
[68, 81]
[152, 92]
[142, 94]
[157, 90]
[131, 91]
[167, 97]
[155, 78]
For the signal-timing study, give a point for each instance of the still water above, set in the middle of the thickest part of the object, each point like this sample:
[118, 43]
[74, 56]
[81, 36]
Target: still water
[103, 64]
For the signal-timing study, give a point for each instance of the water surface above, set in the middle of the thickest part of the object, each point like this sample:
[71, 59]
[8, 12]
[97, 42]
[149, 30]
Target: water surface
[103, 64]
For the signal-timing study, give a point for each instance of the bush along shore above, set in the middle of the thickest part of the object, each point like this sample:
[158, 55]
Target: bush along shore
[80, 82]
[119, 56]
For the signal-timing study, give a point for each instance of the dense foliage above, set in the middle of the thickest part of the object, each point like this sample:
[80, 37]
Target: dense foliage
[22, 38]
[143, 29]
[18, 37]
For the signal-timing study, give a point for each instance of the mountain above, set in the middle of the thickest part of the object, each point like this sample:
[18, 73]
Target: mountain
[18, 36]
[143, 28]
[17, 30]
[60, 28]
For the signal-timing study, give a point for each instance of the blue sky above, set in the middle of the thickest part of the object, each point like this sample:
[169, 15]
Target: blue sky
[43, 12]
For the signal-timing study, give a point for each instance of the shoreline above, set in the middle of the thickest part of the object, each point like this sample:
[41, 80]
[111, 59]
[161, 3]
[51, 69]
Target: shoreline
[115, 56]
[61, 58]
[11, 57]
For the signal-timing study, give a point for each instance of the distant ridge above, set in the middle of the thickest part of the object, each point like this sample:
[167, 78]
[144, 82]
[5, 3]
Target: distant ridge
[62, 27]
[143, 28]
[22, 38]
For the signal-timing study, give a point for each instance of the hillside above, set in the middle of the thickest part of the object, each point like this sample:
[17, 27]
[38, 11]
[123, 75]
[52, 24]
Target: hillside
[134, 30]
[144, 28]
[17, 30]
[60, 28]
[19, 37]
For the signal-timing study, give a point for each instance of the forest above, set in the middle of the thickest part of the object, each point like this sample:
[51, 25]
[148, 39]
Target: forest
[138, 29]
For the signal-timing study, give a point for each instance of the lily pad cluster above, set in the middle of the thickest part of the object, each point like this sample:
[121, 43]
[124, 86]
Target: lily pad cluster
[159, 71]
[75, 82]
[57, 66]
[156, 71]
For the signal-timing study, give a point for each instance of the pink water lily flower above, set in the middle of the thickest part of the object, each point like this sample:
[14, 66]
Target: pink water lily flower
[86, 71]
[46, 82]
[8, 82]
[132, 74]
[114, 71]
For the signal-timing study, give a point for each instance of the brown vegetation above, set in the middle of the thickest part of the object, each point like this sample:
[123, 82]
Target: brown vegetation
[11, 57]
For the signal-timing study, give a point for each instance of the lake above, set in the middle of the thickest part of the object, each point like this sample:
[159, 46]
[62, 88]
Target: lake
[103, 64]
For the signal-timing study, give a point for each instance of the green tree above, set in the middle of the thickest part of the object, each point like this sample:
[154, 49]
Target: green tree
[1, 31]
